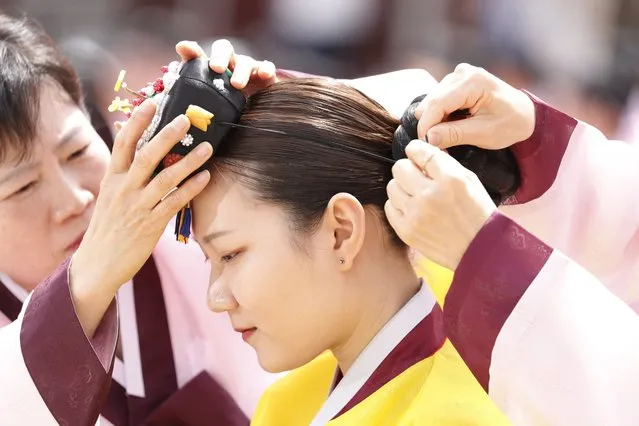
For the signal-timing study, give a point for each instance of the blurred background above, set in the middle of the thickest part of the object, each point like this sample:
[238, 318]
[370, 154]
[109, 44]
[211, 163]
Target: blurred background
[580, 55]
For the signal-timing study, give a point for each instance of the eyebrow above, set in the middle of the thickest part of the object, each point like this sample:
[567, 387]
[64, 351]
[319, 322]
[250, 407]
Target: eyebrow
[16, 171]
[213, 235]
[68, 136]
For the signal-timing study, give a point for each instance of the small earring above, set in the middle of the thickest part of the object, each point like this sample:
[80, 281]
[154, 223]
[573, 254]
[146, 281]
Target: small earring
[341, 261]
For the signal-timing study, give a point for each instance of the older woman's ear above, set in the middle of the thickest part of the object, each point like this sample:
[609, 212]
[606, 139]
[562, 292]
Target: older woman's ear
[395, 90]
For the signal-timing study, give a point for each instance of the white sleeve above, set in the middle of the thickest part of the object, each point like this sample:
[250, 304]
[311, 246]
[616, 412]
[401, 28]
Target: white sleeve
[50, 372]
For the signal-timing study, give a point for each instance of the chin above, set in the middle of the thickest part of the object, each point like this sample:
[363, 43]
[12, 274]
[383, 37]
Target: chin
[278, 363]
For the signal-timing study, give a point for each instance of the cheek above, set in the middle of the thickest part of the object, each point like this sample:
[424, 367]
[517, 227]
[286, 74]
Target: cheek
[26, 252]
[95, 166]
[263, 280]
[289, 300]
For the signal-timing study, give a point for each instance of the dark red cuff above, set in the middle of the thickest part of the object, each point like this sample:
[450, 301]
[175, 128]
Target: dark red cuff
[539, 156]
[70, 371]
[498, 267]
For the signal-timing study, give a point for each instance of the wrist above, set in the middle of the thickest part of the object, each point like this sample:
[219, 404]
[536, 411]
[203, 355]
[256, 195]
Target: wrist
[526, 111]
[476, 225]
[87, 281]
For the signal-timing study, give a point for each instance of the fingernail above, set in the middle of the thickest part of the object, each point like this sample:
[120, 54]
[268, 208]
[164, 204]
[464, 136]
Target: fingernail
[202, 150]
[215, 63]
[181, 123]
[202, 176]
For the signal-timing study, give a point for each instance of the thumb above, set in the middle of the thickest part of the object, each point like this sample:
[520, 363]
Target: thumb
[474, 130]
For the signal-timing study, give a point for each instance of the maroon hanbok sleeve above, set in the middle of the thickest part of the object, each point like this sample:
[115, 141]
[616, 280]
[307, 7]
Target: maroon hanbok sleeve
[51, 372]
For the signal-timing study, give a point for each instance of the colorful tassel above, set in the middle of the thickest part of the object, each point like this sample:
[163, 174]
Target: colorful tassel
[183, 225]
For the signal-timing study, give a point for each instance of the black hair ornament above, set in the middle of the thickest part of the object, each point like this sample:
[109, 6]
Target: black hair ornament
[204, 96]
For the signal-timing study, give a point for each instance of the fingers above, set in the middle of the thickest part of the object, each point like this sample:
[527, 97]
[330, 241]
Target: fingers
[394, 215]
[170, 178]
[444, 101]
[397, 196]
[128, 137]
[244, 68]
[267, 72]
[475, 131]
[189, 50]
[408, 175]
[467, 87]
[152, 153]
[434, 162]
[222, 56]
[179, 198]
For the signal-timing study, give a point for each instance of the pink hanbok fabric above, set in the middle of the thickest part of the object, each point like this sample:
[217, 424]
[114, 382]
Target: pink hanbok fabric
[543, 307]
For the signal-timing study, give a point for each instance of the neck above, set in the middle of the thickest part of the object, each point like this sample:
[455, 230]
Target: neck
[380, 289]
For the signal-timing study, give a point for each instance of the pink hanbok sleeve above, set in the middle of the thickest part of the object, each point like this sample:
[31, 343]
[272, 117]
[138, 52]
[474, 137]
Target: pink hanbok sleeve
[580, 196]
[554, 339]
[50, 372]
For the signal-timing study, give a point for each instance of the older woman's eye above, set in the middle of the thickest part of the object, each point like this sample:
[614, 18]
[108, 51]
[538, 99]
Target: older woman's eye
[79, 153]
[25, 188]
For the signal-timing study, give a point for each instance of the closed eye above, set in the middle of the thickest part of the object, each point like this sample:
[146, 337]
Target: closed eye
[26, 188]
[79, 153]
[229, 257]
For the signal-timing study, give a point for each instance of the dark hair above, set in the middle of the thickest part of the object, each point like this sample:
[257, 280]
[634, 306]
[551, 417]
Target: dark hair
[28, 56]
[295, 171]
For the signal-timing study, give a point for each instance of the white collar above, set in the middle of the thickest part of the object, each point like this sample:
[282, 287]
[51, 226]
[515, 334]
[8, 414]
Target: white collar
[398, 327]
[14, 288]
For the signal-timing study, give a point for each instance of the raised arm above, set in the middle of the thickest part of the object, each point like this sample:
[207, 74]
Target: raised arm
[579, 196]
[546, 338]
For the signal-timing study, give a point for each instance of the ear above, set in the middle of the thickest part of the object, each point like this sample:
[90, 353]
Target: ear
[345, 218]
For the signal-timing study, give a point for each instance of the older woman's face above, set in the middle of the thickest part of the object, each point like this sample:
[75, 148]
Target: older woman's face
[46, 200]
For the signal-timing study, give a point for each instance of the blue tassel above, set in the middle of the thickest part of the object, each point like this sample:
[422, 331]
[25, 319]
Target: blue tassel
[183, 225]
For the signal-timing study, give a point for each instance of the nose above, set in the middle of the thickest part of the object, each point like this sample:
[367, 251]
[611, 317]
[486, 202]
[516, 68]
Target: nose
[220, 298]
[72, 199]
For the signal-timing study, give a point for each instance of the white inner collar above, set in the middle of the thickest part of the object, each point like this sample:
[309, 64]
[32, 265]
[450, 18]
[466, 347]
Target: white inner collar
[14, 288]
[398, 327]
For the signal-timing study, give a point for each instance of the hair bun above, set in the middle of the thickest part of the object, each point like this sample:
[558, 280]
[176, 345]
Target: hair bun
[497, 170]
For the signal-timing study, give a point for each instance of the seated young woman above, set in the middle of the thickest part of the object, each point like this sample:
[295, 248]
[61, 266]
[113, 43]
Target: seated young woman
[307, 268]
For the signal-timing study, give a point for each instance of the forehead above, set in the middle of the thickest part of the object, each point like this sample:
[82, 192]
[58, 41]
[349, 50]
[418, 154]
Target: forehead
[225, 203]
[57, 113]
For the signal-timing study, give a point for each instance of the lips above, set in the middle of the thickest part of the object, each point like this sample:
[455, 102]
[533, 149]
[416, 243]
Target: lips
[246, 332]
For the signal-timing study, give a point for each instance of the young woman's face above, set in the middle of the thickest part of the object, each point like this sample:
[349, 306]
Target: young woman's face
[46, 200]
[288, 297]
